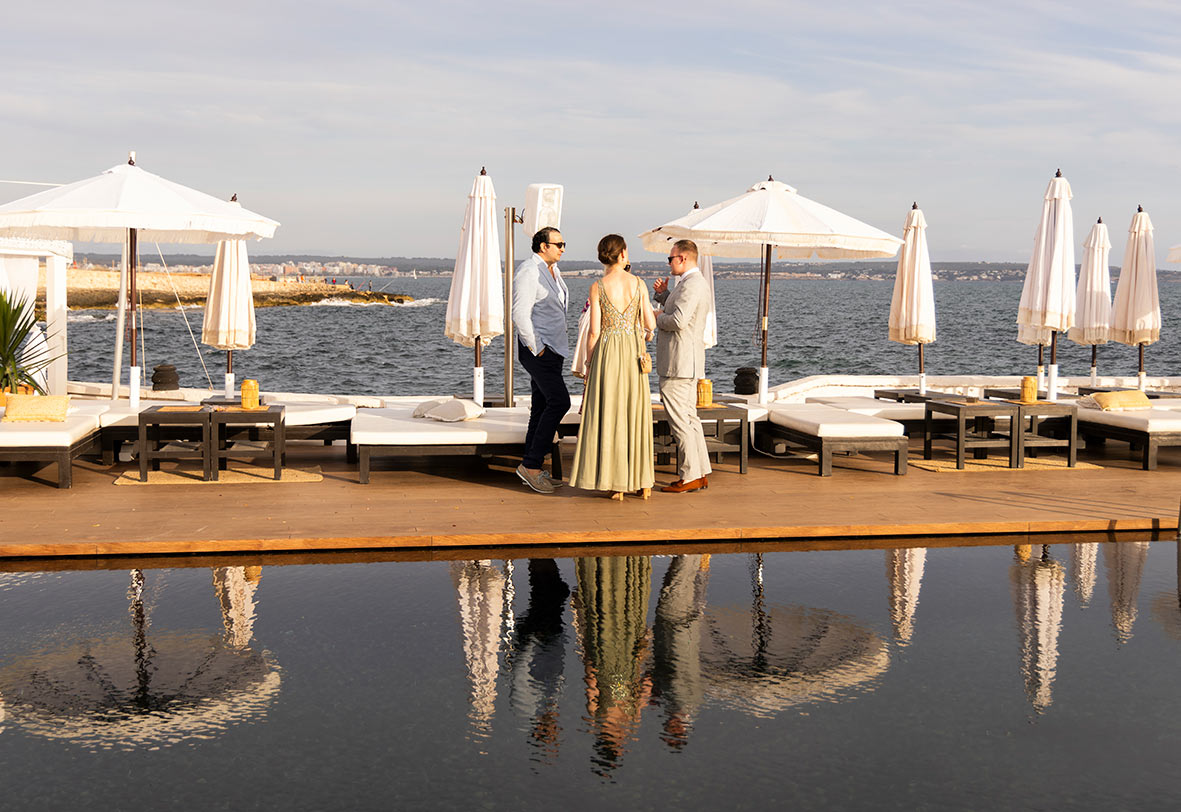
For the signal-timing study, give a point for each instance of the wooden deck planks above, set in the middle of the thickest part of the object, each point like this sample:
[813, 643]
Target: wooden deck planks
[449, 504]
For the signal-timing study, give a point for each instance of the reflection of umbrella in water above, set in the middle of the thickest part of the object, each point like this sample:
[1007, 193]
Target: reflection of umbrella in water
[133, 693]
[904, 571]
[1083, 572]
[1125, 564]
[480, 589]
[765, 662]
[1039, 589]
[1166, 608]
[235, 588]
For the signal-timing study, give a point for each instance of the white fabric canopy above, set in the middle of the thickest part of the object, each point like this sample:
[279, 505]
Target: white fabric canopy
[1174, 254]
[475, 305]
[1093, 298]
[1047, 299]
[773, 213]
[912, 308]
[1135, 314]
[229, 308]
[104, 207]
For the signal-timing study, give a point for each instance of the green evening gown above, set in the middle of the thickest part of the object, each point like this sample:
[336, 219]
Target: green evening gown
[614, 451]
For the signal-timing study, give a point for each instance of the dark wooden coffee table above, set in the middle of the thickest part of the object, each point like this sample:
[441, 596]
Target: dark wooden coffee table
[729, 432]
[224, 417]
[165, 424]
[975, 428]
[1060, 418]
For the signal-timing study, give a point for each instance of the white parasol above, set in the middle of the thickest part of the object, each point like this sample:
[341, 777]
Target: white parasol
[124, 204]
[912, 309]
[475, 305]
[1092, 324]
[229, 307]
[1135, 318]
[1047, 299]
[773, 216]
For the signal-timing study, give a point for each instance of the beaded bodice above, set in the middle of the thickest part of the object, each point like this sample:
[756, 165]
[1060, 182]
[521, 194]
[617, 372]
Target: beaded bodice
[625, 322]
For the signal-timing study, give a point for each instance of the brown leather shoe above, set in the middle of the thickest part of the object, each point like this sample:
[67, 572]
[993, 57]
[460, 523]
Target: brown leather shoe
[684, 487]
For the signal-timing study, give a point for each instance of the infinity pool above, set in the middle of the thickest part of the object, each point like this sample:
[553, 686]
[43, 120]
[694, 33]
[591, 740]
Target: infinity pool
[945, 678]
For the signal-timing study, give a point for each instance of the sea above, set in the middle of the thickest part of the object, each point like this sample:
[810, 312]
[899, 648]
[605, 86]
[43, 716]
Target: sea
[831, 326]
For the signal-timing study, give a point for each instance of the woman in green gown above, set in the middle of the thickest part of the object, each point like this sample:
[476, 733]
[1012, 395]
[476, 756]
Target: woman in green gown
[614, 451]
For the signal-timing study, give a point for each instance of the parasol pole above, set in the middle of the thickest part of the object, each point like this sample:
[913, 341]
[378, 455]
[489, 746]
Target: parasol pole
[1141, 373]
[120, 326]
[763, 396]
[510, 218]
[1094, 365]
[229, 373]
[1053, 382]
[133, 370]
[478, 376]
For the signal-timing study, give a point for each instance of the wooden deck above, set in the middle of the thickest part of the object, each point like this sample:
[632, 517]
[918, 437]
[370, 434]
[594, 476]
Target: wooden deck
[433, 506]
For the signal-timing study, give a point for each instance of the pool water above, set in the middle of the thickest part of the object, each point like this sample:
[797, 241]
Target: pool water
[946, 678]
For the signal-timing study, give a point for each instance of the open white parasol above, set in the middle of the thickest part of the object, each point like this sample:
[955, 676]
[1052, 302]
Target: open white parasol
[475, 305]
[1047, 298]
[912, 308]
[772, 216]
[229, 307]
[125, 204]
[1135, 317]
[1092, 317]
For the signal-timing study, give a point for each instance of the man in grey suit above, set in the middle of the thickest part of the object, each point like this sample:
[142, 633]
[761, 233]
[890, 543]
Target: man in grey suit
[680, 361]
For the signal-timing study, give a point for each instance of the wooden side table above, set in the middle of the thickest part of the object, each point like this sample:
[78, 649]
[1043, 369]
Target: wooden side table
[182, 422]
[905, 395]
[978, 436]
[729, 432]
[222, 417]
[1042, 414]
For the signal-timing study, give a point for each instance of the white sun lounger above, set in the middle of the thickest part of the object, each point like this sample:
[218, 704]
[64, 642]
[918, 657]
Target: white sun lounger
[52, 441]
[1145, 430]
[393, 431]
[826, 429]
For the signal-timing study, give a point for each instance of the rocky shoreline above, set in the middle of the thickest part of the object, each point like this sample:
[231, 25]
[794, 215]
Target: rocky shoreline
[99, 290]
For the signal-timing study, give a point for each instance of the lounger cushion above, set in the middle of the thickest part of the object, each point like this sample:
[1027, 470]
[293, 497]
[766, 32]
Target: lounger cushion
[456, 411]
[48, 435]
[885, 409]
[820, 420]
[1124, 399]
[1149, 420]
[315, 414]
[395, 426]
[36, 408]
[422, 409]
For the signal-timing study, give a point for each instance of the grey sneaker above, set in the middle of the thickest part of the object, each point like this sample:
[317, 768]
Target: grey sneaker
[538, 482]
[555, 483]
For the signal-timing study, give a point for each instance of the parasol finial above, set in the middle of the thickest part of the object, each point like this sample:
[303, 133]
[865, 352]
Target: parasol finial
[131, 158]
[1058, 174]
[483, 171]
[769, 178]
[1139, 209]
[696, 205]
[234, 197]
[1099, 221]
[914, 205]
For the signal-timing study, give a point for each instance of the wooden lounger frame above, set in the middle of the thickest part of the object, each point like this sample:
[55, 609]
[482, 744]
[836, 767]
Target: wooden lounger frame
[64, 456]
[1147, 442]
[825, 446]
[366, 452]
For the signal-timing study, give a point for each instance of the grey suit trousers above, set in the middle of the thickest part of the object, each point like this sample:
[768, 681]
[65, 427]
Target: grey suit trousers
[680, 401]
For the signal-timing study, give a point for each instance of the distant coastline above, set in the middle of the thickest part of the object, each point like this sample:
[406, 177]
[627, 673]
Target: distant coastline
[98, 289]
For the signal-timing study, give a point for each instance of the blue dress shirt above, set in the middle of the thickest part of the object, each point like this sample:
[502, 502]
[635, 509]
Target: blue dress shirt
[539, 307]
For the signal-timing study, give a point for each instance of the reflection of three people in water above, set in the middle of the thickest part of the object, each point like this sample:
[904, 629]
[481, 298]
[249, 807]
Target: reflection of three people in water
[626, 664]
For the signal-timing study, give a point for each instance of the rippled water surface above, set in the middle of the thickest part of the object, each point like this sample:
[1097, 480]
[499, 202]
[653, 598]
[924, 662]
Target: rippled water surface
[945, 678]
[829, 326]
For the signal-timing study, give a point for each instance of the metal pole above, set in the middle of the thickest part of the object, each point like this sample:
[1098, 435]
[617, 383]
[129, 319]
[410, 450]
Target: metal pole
[132, 249]
[510, 217]
[766, 296]
[922, 365]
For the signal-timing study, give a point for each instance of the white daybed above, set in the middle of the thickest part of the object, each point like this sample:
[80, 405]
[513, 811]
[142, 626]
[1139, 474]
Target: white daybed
[825, 429]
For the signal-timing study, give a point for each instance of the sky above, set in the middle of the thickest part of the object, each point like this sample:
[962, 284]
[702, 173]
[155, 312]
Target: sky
[360, 125]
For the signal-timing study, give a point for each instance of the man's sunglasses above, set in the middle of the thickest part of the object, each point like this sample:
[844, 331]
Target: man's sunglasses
[561, 245]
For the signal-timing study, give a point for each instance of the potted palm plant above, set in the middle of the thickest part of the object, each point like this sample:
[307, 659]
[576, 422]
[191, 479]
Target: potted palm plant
[21, 362]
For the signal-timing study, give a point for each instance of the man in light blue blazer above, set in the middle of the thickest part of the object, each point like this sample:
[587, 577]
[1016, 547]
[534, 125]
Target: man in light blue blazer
[680, 361]
[539, 314]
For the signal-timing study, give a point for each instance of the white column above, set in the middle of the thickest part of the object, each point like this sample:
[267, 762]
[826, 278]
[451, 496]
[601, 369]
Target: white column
[55, 323]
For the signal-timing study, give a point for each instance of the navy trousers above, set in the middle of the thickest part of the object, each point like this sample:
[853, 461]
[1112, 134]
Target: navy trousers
[551, 401]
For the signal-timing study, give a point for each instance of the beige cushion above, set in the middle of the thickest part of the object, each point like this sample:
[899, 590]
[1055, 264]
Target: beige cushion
[36, 408]
[820, 420]
[885, 409]
[395, 426]
[456, 411]
[1150, 420]
[1125, 399]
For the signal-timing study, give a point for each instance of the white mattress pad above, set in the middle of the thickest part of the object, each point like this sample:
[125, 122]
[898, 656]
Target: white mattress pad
[395, 426]
[820, 420]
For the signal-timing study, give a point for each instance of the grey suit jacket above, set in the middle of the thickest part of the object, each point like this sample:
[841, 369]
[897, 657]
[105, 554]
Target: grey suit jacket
[680, 343]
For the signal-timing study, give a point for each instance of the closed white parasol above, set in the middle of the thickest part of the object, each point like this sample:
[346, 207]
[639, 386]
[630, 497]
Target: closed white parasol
[912, 309]
[125, 204]
[229, 307]
[1135, 317]
[1047, 299]
[475, 305]
[772, 216]
[1092, 317]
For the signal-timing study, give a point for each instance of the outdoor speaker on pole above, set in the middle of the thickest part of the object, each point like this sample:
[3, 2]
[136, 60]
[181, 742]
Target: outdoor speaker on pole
[543, 207]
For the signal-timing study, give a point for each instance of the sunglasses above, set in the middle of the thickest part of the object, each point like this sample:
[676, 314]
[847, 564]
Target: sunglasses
[671, 260]
[561, 245]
